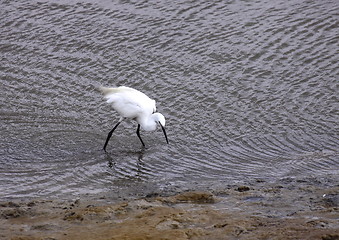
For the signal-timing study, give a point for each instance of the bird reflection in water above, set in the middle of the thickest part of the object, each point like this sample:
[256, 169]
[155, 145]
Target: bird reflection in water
[112, 163]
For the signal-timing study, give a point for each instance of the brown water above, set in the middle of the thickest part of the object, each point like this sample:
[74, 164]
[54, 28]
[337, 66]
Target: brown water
[249, 90]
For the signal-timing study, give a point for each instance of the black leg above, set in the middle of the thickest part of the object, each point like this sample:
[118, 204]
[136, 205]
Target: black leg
[110, 135]
[138, 133]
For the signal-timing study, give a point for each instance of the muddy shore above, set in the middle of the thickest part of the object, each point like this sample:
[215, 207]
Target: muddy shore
[278, 211]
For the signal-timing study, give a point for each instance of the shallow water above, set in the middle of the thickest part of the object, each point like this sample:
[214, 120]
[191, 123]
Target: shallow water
[248, 88]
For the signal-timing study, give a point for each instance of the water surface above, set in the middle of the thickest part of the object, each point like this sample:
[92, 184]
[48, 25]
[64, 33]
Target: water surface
[248, 88]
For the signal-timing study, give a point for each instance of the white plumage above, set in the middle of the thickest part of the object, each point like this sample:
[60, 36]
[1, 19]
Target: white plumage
[131, 103]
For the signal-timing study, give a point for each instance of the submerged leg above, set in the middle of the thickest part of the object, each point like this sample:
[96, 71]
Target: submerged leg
[138, 133]
[110, 134]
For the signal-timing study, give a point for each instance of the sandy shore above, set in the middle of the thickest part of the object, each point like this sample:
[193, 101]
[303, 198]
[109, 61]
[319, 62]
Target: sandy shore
[297, 211]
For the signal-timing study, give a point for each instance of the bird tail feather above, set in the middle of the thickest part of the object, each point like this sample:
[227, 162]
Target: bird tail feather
[109, 93]
[106, 91]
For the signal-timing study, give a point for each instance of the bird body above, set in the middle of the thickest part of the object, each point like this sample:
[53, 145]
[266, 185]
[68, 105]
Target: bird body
[131, 103]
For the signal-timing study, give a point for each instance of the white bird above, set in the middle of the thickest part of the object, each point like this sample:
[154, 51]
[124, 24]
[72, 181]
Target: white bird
[131, 103]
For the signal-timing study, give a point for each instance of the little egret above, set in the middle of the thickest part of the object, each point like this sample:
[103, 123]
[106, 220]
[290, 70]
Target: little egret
[131, 103]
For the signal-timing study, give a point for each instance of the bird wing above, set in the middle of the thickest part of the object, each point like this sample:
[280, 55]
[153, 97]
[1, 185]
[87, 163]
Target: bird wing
[129, 102]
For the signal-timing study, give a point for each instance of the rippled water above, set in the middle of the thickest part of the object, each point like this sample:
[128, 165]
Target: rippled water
[249, 90]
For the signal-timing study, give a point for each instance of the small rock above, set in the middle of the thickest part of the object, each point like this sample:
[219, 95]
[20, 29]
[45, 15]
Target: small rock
[330, 237]
[152, 195]
[73, 216]
[195, 197]
[168, 224]
[243, 189]
[9, 204]
[12, 213]
[31, 204]
[331, 200]
[220, 225]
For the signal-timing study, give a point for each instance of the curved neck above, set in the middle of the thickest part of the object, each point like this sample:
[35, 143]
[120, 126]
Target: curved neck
[148, 123]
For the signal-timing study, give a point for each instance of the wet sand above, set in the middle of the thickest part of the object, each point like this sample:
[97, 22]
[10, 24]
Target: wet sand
[265, 211]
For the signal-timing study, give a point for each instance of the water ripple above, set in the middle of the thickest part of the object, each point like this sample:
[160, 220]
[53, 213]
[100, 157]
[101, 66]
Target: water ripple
[249, 90]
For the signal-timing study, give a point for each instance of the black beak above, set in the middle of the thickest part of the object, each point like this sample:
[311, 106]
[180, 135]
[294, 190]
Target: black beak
[163, 129]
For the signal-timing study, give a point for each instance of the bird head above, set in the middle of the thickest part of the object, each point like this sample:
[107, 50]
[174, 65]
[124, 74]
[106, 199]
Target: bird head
[159, 118]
